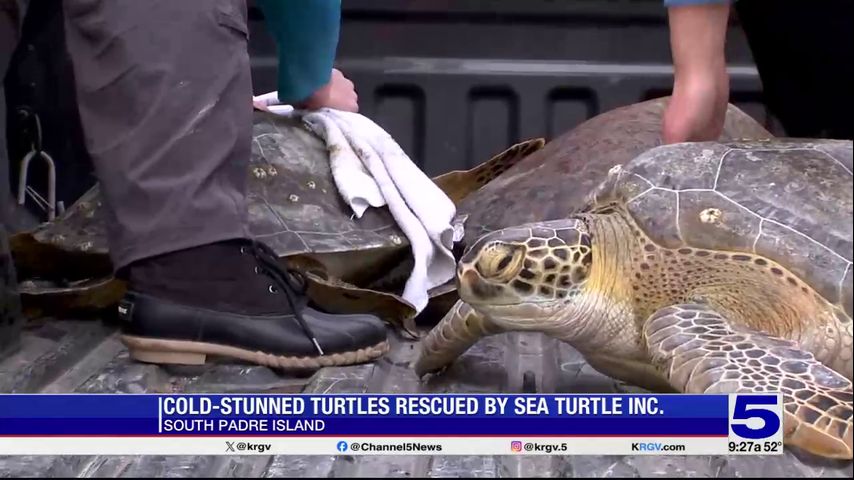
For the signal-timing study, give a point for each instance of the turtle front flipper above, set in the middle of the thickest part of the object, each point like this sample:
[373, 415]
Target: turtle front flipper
[458, 330]
[458, 184]
[700, 351]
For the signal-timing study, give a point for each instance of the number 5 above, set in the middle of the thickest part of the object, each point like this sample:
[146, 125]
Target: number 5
[770, 419]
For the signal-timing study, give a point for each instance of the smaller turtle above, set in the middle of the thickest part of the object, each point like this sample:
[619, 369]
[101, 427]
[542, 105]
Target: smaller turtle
[294, 207]
[696, 268]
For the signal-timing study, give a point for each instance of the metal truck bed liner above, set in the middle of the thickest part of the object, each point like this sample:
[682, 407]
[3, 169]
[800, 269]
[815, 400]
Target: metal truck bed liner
[87, 357]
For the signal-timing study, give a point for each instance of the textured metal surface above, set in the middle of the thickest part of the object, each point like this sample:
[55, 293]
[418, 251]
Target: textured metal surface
[75, 356]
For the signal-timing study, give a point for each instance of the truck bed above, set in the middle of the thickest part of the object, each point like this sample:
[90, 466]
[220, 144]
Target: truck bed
[61, 356]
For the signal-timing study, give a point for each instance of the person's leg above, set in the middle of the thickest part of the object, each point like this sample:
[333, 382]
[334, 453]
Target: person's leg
[162, 89]
[165, 99]
[11, 19]
[805, 58]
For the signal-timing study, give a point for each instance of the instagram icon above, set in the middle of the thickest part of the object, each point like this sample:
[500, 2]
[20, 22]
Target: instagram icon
[516, 446]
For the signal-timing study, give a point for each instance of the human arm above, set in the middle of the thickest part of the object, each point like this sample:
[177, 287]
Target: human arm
[306, 32]
[697, 107]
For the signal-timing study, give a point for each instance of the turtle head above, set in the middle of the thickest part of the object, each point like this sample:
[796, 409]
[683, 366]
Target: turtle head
[523, 276]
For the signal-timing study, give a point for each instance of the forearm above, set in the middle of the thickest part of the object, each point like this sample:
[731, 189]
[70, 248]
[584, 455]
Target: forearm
[306, 32]
[698, 36]
[697, 108]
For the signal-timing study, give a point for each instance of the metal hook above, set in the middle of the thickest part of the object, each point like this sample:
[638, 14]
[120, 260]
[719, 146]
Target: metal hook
[27, 113]
[51, 182]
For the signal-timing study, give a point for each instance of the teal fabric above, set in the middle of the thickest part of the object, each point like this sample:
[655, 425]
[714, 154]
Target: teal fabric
[306, 32]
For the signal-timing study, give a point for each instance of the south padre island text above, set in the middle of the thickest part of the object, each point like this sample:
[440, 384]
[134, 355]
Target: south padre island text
[222, 425]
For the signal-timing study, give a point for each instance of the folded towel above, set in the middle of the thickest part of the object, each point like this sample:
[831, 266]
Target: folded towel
[371, 170]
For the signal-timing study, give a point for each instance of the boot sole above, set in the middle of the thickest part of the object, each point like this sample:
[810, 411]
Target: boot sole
[185, 352]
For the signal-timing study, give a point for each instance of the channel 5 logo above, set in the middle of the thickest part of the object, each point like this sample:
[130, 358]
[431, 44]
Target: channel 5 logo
[516, 446]
[756, 416]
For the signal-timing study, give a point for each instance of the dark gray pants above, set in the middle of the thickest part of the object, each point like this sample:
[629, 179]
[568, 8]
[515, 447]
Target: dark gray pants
[11, 21]
[164, 91]
[11, 321]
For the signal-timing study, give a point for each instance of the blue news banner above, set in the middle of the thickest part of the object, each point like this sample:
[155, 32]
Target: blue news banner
[391, 424]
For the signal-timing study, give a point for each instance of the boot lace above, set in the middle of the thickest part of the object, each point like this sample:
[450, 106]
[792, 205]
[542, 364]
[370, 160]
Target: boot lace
[292, 282]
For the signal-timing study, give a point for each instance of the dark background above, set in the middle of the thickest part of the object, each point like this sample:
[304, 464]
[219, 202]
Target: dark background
[453, 81]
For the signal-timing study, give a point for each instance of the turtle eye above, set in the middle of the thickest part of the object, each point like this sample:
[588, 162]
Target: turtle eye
[502, 264]
[500, 261]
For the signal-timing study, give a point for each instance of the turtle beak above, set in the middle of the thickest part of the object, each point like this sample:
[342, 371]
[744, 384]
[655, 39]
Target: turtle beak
[465, 278]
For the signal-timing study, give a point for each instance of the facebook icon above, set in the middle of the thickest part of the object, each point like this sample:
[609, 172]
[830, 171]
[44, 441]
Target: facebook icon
[342, 446]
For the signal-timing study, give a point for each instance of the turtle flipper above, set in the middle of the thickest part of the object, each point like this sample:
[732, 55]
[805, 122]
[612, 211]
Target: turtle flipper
[700, 351]
[458, 330]
[460, 183]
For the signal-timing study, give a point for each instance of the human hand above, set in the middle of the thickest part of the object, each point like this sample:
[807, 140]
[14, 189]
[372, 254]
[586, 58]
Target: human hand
[339, 93]
[697, 109]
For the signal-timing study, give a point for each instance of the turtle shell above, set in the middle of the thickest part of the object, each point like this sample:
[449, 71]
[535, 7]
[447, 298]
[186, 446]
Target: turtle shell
[789, 200]
[294, 205]
[555, 181]
[559, 177]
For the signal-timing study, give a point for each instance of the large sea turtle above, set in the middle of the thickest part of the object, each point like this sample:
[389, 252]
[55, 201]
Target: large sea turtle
[294, 207]
[543, 185]
[714, 267]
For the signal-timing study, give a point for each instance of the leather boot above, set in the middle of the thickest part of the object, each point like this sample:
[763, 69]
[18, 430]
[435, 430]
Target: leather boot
[234, 299]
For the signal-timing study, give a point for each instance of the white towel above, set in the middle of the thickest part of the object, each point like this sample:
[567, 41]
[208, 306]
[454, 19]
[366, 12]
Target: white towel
[371, 170]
